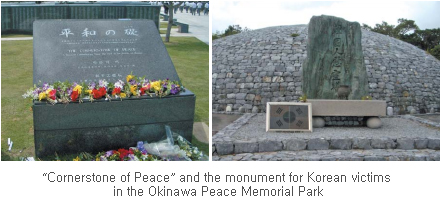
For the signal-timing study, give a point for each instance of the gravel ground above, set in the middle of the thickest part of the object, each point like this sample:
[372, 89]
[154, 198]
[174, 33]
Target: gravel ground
[220, 121]
[392, 128]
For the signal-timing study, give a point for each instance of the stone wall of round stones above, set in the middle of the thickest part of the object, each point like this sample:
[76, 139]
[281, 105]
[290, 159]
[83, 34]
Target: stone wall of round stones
[265, 65]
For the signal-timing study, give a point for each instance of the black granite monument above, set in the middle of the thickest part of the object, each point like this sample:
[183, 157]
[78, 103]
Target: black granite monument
[90, 50]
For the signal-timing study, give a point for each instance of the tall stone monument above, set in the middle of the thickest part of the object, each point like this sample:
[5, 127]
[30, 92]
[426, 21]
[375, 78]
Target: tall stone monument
[334, 59]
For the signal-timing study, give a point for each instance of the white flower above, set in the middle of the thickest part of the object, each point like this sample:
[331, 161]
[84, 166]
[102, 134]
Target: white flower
[119, 84]
[103, 83]
[29, 93]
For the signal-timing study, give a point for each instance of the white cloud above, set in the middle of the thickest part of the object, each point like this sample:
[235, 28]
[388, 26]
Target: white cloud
[260, 14]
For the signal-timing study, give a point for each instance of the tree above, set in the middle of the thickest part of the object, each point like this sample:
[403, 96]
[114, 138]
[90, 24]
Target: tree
[234, 29]
[435, 52]
[216, 35]
[384, 28]
[170, 6]
[404, 27]
[365, 26]
[428, 39]
[231, 30]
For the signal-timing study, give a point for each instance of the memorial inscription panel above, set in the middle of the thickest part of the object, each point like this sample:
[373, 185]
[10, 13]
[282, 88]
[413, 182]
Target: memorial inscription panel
[90, 50]
[287, 116]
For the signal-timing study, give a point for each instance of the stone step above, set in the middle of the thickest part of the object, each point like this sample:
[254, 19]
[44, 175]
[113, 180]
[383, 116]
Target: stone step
[336, 155]
[298, 144]
[247, 135]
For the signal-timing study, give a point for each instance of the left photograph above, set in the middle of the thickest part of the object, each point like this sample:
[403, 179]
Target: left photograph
[105, 81]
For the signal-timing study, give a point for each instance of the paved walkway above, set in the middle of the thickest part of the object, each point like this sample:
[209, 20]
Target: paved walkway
[198, 25]
[337, 155]
[17, 38]
[254, 128]
[201, 132]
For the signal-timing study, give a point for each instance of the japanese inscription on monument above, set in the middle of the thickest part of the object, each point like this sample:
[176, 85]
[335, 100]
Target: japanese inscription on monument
[334, 59]
[88, 51]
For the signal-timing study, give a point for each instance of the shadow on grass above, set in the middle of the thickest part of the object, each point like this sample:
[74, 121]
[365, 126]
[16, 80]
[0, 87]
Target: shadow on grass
[15, 35]
[7, 157]
[202, 146]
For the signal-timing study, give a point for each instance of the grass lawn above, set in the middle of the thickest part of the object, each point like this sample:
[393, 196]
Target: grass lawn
[165, 25]
[189, 55]
[15, 35]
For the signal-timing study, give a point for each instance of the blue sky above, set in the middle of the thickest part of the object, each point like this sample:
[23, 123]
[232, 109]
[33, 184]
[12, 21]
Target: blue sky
[260, 14]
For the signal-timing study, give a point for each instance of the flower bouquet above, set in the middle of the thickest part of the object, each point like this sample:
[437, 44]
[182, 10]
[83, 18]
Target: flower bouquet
[173, 148]
[66, 92]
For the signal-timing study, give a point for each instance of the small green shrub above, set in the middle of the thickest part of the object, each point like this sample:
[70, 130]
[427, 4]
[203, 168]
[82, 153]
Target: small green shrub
[294, 35]
[435, 52]
[366, 98]
[303, 98]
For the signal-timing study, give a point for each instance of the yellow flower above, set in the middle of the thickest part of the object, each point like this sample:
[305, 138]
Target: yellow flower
[42, 96]
[129, 77]
[155, 85]
[76, 159]
[133, 89]
[78, 88]
[89, 91]
[123, 95]
[48, 91]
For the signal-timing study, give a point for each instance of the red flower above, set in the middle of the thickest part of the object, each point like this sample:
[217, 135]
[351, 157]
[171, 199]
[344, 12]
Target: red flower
[116, 91]
[102, 91]
[143, 90]
[74, 95]
[96, 94]
[122, 153]
[52, 94]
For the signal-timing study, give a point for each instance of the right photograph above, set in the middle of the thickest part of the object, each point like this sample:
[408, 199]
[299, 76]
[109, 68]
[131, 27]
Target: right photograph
[325, 81]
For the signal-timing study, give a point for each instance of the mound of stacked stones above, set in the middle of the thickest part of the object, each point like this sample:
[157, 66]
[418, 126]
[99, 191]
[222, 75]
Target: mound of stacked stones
[265, 65]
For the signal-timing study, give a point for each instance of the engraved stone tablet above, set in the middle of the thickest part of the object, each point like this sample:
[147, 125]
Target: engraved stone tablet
[90, 50]
[334, 60]
[288, 116]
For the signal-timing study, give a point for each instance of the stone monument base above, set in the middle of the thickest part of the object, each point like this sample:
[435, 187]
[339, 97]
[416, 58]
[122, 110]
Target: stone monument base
[100, 126]
[371, 110]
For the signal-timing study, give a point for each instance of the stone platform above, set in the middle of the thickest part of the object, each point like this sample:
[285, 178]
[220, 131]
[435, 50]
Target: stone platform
[337, 155]
[247, 135]
[327, 107]
[348, 112]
